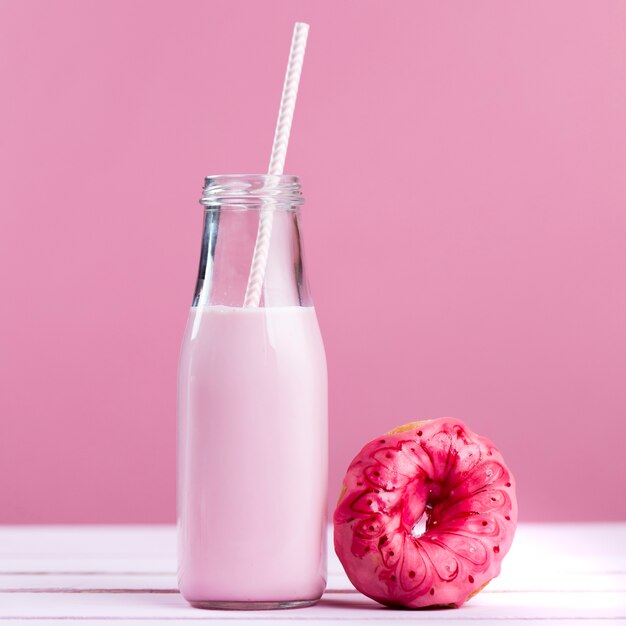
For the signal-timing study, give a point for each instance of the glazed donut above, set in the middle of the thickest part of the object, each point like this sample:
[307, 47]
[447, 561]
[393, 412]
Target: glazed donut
[440, 471]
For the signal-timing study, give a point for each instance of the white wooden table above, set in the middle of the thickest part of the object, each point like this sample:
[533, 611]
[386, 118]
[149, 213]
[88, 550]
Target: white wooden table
[555, 573]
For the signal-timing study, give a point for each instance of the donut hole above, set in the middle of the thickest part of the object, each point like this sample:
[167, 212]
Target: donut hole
[422, 516]
[420, 527]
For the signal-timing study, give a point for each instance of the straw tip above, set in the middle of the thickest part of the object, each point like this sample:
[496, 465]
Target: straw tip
[301, 26]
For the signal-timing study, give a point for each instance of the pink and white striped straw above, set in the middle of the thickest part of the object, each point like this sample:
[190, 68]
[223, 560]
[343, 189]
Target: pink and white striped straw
[277, 161]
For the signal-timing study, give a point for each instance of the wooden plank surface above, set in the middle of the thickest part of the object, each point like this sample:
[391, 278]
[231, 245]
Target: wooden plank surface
[555, 573]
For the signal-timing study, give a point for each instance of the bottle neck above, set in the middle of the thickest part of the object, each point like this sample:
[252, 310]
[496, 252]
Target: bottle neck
[231, 223]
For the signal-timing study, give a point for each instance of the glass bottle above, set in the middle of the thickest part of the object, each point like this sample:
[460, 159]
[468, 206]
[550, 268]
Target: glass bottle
[252, 411]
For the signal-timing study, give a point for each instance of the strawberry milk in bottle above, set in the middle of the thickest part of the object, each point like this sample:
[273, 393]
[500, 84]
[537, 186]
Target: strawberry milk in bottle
[252, 410]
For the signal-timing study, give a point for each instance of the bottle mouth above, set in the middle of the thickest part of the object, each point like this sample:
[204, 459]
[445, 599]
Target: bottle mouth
[252, 190]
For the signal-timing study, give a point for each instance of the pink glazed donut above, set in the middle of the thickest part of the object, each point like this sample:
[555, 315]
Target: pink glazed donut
[440, 471]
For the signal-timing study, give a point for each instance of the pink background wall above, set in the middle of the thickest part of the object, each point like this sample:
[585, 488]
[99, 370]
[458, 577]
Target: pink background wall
[465, 226]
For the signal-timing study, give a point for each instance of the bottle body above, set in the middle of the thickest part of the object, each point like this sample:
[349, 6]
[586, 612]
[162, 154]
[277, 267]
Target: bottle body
[252, 410]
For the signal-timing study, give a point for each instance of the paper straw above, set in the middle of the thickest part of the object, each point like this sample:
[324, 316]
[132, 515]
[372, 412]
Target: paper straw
[277, 161]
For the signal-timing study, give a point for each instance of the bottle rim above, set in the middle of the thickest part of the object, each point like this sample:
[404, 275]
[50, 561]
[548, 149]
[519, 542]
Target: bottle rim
[252, 191]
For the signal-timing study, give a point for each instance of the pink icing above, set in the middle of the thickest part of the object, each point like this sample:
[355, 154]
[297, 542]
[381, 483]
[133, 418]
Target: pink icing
[454, 479]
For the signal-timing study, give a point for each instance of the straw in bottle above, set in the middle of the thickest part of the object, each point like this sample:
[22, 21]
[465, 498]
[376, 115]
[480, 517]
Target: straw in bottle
[277, 161]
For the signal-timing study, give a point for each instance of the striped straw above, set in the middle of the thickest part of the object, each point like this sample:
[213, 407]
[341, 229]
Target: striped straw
[277, 161]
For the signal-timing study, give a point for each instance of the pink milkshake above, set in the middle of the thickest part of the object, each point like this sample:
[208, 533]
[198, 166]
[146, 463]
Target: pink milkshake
[252, 457]
[252, 395]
